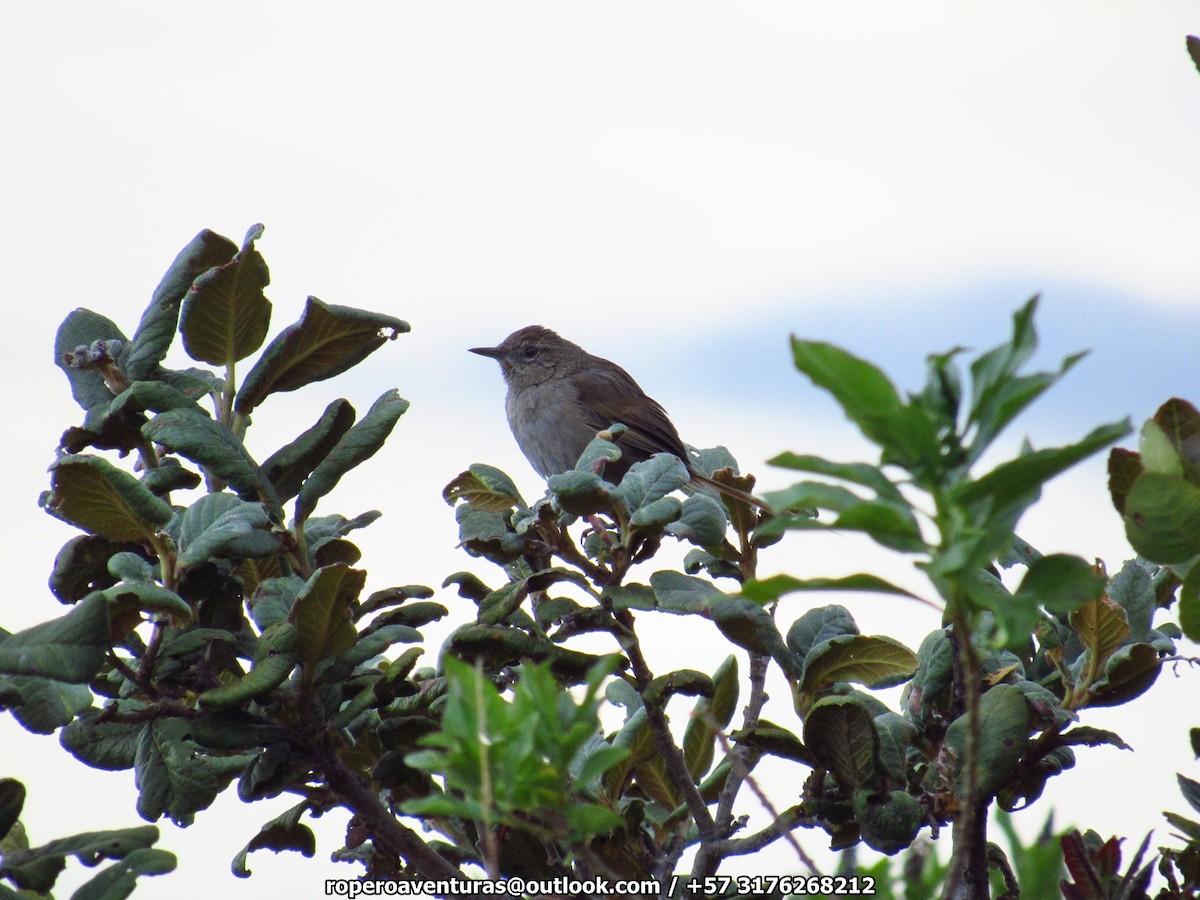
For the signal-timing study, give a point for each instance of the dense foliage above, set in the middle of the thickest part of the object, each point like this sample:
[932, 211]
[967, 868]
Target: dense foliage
[218, 632]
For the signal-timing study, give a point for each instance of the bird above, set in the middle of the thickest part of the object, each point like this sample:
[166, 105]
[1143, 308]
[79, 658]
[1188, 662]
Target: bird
[560, 396]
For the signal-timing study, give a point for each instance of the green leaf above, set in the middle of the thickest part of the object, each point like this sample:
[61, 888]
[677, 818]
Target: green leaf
[360, 443]
[273, 599]
[174, 776]
[599, 762]
[1189, 604]
[82, 328]
[484, 487]
[682, 681]
[103, 744]
[601, 450]
[118, 880]
[1162, 518]
[1157, 454]
[284, 832]
[274, 660]
[942, 394]
[36, 869]
[322, 530]
[1180, 422]
[657, 514]
[772, 588]
[150, 395]
[1186, 827]
[375, 642]
[1004, 726]
[1189, 788]
[326, 341]
[838, 731]
[93, 494]
[819, 625]
[891, 525]
[580, 492]
[652, 778]
[225, 316]
[896, 735]
[81, 567]
[288, 466]
[870, 400]
[1002, 399]
[194, 435]
[70, 648]
[156, 329]
[12, 799]
[857, 473]
[931, 681]
[1129, 673]
[588, 820]
[413, 615]
[702, 521]
[752, 628]
[679, 593]
[1133, 588]
[872, 661]
[710, 714]
[993, 368]
[222, 526]
[46, 706]
[487, 534]
[651, 480]
[132, 597]
[889, 822]
[235, 730]
[321, 613]
[1015, 483]
[767, 737]
[1061, 583]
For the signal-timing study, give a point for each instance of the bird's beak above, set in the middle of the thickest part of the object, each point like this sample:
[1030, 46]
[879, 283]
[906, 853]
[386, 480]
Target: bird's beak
[493, 352]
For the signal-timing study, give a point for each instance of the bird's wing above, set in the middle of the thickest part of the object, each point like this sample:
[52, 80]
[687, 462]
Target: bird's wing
[605, 398]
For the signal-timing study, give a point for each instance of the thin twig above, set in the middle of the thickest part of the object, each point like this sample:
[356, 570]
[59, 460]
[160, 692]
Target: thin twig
[707, 859]
[781, 827]
[385, 830]
[736, 761]
[664, 743]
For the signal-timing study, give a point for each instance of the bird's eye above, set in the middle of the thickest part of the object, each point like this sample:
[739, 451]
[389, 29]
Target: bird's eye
[530, 352]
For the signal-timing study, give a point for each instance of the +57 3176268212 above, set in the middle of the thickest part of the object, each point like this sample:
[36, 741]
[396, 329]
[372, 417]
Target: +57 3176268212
[768, 885]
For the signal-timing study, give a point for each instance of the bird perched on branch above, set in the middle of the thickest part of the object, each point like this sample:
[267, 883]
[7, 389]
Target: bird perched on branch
[560, 396]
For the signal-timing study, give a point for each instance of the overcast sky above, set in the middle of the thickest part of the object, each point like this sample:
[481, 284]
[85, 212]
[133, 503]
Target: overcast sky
[677, 186]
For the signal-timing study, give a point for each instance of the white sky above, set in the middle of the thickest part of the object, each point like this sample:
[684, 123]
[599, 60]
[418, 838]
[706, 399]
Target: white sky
[674, 185]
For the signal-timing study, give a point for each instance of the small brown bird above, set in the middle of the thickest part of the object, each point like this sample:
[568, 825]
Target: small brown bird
[560, 396]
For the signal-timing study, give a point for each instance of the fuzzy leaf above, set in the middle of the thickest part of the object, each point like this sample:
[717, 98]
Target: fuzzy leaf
[484, 487]
[872, 661]
[838, 731]
[156, 329]
[70, 648]
[360, 443]
[93, 494]
[82, 327]
[288, 466]
[225, 315]
[1162, 518]
[194, 435]
[1004, 726]
[326, 341]
[321, 613]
